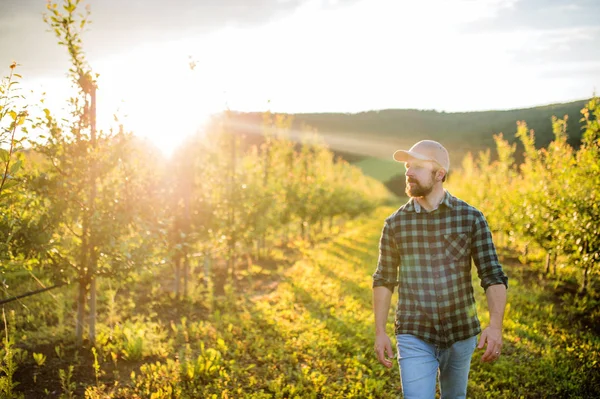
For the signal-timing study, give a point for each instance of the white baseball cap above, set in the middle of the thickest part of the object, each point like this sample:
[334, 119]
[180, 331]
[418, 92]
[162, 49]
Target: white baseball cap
[425, 150]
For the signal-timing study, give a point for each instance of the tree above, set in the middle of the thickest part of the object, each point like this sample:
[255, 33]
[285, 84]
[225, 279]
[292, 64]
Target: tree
[89, 180]
[581, 224]
[12, 119]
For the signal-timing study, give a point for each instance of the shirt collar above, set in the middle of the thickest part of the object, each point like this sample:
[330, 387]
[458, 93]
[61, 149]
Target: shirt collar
[414, 206]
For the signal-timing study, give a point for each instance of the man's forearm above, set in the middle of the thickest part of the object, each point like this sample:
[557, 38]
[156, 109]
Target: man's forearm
[496, 298]
[382, 297]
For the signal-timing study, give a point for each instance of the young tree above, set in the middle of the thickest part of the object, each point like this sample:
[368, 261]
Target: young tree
[89, 182]
[12, 121]
[580, 198]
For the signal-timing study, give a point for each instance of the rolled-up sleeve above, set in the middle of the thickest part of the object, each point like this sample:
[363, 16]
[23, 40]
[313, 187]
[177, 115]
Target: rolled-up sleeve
[386, 274]
[484, 255]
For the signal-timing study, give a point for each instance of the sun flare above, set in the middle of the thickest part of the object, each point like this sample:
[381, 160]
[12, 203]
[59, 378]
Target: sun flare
[165, 118]
[157, 97]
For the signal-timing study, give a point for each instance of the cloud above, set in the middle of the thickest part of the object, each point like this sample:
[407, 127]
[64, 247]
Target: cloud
[544, 34]
[536, 14]
[314, 55]
[117, 26]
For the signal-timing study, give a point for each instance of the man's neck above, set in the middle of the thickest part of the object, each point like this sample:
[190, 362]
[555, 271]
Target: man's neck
[433, 200]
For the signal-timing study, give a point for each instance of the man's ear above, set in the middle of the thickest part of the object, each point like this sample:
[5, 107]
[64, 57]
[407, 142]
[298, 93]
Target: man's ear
[439, 175]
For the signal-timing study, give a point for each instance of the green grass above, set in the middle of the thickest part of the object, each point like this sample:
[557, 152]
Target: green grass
[380, 169]
[307, 331]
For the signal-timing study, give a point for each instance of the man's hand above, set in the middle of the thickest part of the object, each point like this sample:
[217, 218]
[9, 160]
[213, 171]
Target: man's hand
[381, 305]
[493, 337]
[496, 298]
[383, 346]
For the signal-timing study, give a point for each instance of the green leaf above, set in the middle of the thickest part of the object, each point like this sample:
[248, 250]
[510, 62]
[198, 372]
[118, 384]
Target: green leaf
[21, 119]
[14, 168]
[39, 358]
[4, 155]
[9, 184]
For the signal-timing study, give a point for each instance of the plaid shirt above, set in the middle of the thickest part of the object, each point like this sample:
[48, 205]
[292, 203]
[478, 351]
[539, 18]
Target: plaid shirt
[428, 255]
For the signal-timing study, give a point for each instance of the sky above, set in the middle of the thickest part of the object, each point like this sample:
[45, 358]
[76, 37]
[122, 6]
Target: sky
[310, 56]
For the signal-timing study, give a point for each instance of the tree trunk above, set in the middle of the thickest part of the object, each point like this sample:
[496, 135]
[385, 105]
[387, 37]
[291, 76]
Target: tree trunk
[79, 323]
[187, 230]
[220, 276]
[231, 263]
[83, 280]
[232, 218]
[584, 282]
[249, 262]
[177, 275]
[286, 235]
[206, 269]
[93, 254]
[586, 269]
[186, 270]
[92, 332]
[548, 256]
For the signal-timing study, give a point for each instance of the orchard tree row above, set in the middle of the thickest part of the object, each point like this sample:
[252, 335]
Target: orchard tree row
[78, 203]
[550, 201]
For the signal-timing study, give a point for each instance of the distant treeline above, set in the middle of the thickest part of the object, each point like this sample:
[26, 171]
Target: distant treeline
[462, 132]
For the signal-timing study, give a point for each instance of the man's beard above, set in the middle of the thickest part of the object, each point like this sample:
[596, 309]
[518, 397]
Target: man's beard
[417, 190]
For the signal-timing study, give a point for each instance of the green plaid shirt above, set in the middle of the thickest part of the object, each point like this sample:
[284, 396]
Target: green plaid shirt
[428, 256]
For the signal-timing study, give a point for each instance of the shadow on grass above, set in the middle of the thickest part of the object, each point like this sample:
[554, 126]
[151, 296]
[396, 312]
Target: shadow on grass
[348, 339]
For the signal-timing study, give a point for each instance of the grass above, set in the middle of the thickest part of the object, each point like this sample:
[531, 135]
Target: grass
[306, 331]
[380, 169]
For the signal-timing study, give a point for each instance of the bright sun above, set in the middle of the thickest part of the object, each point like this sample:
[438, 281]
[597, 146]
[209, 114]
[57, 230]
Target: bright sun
[165, 117]
[164, 102]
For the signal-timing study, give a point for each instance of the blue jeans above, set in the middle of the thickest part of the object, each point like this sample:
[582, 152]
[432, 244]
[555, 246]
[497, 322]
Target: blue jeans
[421, 362]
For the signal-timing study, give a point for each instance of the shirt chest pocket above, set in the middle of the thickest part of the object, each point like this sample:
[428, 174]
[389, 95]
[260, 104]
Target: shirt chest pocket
[457, 245]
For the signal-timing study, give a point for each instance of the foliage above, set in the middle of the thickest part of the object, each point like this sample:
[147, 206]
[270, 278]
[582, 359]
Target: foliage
[372, 136]
[105, 208]
[548, 201]
[310, 335]
[13, 116]
[14, 224]
[83, 189]
[133, 340]
[10, 357]
[68, 386]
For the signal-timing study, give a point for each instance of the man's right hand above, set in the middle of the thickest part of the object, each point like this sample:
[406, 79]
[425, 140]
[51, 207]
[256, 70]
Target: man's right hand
[383, 346]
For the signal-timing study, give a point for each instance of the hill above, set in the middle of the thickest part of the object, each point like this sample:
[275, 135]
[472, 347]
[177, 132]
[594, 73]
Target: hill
[369, 138]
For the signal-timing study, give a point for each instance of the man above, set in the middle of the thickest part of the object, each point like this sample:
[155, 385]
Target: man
[426, 249]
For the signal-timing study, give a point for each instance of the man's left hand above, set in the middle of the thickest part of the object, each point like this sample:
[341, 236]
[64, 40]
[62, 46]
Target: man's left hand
[493, 337]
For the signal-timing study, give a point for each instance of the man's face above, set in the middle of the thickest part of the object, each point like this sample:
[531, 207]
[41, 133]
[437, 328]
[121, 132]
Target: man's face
[420, 178]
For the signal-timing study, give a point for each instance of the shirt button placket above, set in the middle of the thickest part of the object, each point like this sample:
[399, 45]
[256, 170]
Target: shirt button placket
[437, 264]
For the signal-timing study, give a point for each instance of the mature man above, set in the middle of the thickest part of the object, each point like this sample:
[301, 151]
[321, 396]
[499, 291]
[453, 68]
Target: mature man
[426, 249]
